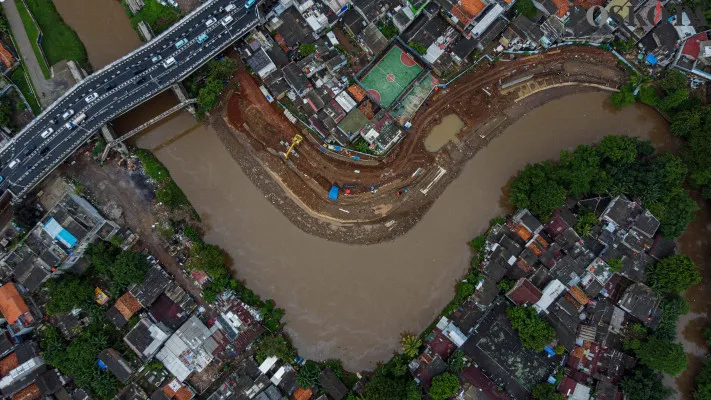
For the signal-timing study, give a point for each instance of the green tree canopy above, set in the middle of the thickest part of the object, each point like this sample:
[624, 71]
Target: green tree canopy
[307, 375]
[526, 8]
[209, 258]
[673, 274]
[662, 355]
[623, 98]
[534, 332]
[306, 49]
[274, 346]
[102, 254]
[392, 381]
[703, 382]
[67, 293]
[645, 384]
[544, 391]
[457, 361]
[129, 267]
[444, 386]
[536, 188]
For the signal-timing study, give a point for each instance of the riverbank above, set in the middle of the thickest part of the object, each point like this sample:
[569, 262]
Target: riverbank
[366, 216]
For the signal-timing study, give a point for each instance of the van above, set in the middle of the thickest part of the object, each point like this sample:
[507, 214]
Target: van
[169, 62]
[46, 133]
[68, 113]
[226, 21]
[181, 43]
[230, 7]
[203, 37]
[13, 163]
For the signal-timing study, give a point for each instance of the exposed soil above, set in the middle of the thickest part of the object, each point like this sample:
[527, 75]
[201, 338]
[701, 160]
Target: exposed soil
[253, 126]
[126, 197]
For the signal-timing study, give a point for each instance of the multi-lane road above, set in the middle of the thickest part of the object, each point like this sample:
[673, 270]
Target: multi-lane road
[117, 88]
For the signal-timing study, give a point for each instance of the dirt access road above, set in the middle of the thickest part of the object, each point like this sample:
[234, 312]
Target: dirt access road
[253, 127]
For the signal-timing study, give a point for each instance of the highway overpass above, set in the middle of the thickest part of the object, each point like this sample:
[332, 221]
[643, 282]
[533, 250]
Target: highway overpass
[119, 87]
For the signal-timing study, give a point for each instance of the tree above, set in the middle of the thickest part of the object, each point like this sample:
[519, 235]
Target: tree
[623, 98]
[559, 349]
[27, 214]
[534, 332]
[645, 384]
[274, 346]
[536, 188]
[222, 69]
[6, 111]
[586, 221]
[307, 374]
[102, 254]
[526, 8]
[638, 81]
[410, 344]
[703, 382]
[444, 386]
[129, 267]
[418, 47]
[618, 149]
[209, 258]
[673, 274]
[615, 264]
[306, 49]
[687, 122]
[544, 391]
[457, 361]
[579, 169]
[675, 212]
[673, 307]
[388, 29]
[506, 284]
[67, 293]
[673, 100]
[707, 334]
[662, 355]
[673, 80]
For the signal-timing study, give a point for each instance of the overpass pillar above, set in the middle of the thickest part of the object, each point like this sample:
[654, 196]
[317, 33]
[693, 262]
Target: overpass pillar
[182, 94]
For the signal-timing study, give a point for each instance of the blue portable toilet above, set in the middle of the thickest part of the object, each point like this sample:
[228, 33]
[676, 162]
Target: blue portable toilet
[333, 193]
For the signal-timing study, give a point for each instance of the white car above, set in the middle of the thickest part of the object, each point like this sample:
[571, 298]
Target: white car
[46, 133]
[226, 21]
[230, 7]
[210, 21]
[91, 97]
[156, 58]
[68, 113]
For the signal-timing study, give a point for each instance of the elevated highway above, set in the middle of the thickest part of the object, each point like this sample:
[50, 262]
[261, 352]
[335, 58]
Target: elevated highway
[119, 87]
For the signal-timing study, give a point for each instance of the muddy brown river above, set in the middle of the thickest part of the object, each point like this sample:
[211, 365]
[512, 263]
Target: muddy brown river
[353, 302]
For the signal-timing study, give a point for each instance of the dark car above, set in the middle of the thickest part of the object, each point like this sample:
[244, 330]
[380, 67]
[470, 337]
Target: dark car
[141, 81]
[138, 71]
[30, 150]
[55, 120]
[44, 151]
[110, 87]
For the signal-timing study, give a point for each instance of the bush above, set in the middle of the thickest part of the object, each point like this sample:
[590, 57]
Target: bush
[156, 15]
[59, 41]
[444, 386]
[673, 274]
[418, 47]
[526, 8]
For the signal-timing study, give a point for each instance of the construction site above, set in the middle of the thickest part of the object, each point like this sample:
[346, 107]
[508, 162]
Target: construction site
[368, 200]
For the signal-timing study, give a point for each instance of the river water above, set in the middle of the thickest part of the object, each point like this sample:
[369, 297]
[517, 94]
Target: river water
[103, 27]
[353, 302]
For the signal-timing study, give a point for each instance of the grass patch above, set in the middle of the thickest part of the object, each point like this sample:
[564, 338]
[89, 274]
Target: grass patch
[20, 79]
[157, 16]
[33, 33]
[59, 42]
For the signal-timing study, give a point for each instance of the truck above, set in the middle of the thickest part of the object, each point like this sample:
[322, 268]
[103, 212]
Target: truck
[76, 121]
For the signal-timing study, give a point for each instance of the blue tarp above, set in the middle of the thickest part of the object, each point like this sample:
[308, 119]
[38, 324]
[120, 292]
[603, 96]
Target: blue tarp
[550, 351]
[333, 193]
[57, 231]
[101, 365]
[651, 59]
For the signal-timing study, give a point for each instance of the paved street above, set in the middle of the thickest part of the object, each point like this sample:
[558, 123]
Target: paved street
[119, 87]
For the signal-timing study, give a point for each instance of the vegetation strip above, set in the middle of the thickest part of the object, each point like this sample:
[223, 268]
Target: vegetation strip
[59, 41]
[33, 33]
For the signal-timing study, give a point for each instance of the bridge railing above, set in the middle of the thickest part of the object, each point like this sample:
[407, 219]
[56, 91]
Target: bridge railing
[96, 74]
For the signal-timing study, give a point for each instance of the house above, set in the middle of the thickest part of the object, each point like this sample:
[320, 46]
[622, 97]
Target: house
[296, 78]
[373, 40]
[641, 302]
[550, 293]
[261, 64]
[524, 293]
[353, 22]
[486, 387]
[154, 283]
[176, 390]
[13, 307]
[146, 338]
[6, 56]
[111, 359]
[188, 349]
[332, 385]
[372, 10]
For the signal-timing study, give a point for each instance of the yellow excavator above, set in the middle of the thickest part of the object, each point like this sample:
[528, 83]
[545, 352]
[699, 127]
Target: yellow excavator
[296, 140]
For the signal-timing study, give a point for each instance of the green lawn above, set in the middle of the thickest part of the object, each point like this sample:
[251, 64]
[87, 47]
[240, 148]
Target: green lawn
[157, 16]
[33, 33]
[60, 42]
[22, 81]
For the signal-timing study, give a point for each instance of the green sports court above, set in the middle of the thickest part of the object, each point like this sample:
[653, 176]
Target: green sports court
[390, 76]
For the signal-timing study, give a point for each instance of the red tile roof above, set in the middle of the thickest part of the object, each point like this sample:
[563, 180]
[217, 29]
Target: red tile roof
[176, 390]
[127, 305]
[567, 386]
[31, 392]
[302, 394]
[357, 92]
[6, 56]
[562, 7]
[524, 292]
[12, 306]
[692, 46]
[579, 295]
[8, 363]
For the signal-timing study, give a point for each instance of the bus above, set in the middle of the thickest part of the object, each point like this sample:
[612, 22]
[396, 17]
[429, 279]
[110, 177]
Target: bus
[76, 121]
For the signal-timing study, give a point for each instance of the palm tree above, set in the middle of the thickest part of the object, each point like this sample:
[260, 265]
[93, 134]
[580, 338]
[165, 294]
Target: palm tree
[410, 344]
[638, 81]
